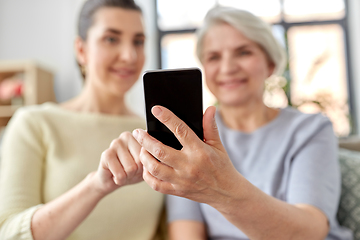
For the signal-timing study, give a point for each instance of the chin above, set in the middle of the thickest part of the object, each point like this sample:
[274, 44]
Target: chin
[233, 100]
[122, 86]
[118, 94]
[117, 91]
[232, 103]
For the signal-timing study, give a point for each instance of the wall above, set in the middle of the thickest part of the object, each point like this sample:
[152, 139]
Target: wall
[44, 30]
[135, 98]
[354, 32]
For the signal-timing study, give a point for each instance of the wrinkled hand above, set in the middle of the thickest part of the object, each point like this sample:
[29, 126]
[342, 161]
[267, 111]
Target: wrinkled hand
[119, 164]
[200, 171]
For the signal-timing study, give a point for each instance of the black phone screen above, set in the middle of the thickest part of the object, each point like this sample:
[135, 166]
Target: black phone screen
[180, 91]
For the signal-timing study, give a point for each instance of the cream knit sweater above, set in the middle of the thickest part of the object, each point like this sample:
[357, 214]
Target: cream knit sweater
[46, 151]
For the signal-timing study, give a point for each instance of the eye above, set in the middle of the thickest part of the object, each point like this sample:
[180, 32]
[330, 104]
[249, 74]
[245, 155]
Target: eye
[111, 40]
[243, 52]
[139, 42]
[213, 58]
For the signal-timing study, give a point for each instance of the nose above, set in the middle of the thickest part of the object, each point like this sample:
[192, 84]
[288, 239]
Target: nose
[228, 65]
[127, 53]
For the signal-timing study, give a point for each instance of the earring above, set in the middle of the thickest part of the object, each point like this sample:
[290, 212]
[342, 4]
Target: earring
[83, 70]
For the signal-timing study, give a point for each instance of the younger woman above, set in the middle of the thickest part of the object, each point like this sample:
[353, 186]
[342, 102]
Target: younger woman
[52, 185]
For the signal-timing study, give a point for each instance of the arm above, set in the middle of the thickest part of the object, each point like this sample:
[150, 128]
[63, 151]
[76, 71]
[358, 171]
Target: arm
[58, 218]
[261, 216]
[186, 229]
[23, 157]
[204, 173]
[119, 166]
[185, 219]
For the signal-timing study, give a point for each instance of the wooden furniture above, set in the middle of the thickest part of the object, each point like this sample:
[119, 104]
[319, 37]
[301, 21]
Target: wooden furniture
[38, 86]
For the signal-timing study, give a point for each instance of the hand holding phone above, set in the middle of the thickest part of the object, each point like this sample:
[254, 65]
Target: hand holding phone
[180, 91]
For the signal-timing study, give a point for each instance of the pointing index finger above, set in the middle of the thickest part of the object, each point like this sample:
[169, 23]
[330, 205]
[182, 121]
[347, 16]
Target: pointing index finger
[182, 132]
[158, 150]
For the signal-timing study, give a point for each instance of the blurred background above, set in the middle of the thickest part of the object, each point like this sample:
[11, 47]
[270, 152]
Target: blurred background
[322, 38]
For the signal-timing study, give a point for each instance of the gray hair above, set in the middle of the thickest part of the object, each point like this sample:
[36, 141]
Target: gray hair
[251, 26]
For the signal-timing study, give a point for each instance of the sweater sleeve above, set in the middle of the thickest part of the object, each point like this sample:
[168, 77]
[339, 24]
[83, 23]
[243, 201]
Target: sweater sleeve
[22, 162]
[179, 208]
[315, 174]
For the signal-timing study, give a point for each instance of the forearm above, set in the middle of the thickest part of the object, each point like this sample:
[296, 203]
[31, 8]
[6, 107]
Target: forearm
[59, 218]
[187, 229]
[261, 216]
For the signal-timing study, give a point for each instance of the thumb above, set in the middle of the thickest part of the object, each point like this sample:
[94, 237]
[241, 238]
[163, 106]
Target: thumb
[211, 133]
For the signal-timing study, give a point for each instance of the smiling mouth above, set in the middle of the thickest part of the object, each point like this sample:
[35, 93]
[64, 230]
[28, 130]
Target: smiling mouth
[232, 83]
[123, 72]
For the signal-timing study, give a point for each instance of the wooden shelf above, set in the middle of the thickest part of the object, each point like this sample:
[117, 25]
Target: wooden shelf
[8, 111]
[38, 85]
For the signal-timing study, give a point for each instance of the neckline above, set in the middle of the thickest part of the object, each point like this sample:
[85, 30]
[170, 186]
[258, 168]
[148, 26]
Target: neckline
[57, 107]
[222, 125]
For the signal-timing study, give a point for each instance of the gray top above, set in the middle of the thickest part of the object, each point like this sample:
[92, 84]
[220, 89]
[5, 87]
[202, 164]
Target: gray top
[293, 158]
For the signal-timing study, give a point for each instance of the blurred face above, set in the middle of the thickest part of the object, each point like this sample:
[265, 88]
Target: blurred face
[235, 67]
[113, 53]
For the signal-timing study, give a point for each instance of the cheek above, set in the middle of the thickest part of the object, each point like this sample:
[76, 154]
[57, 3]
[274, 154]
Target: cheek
[101, 55]
[94, 59]
[210, 76]
[258, 68]
[141, 59]
[210, 70]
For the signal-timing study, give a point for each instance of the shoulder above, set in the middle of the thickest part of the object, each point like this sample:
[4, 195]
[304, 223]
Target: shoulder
[302, 127]
[293, 118]
[132, 122]
[25, 125]
[33, 113]
[27, 120]
[52, 112]
[295, 115]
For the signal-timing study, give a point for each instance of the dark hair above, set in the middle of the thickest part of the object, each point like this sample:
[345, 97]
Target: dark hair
[91, 6]
[89, 9]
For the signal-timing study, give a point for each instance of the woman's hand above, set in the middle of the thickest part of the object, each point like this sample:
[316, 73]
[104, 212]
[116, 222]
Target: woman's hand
[119, 164]
[200, 171]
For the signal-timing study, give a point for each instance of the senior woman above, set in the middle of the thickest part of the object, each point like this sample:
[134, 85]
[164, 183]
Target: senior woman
[260, 173]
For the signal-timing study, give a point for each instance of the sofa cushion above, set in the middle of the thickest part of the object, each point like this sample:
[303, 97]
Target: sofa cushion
[349, 208]
[351, 143]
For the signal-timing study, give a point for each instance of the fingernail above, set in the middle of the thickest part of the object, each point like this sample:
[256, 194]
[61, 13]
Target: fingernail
[214, 120]
[116, 181]
[156, 111]
[135, 133]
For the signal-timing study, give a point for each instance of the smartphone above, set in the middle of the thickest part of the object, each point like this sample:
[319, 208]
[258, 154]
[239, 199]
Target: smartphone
[180, 91]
